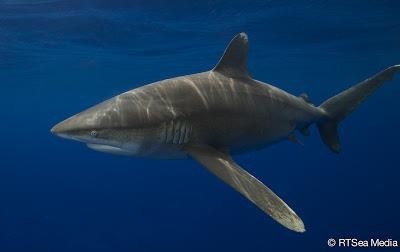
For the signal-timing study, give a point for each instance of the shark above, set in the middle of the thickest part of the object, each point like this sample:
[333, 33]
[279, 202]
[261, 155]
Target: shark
[213, 115]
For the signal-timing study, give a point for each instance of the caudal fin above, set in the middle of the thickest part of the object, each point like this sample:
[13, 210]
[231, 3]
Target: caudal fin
[341, 105]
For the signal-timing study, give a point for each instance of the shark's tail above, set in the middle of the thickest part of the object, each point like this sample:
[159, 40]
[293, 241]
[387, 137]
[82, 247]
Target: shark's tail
[341, 105]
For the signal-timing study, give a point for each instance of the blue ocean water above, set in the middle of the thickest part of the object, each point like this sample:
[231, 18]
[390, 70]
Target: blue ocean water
[58, 57]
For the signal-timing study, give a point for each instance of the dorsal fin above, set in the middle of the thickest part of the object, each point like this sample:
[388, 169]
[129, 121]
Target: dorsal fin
[234, 61]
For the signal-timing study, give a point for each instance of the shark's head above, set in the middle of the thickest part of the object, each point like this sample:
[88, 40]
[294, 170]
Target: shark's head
[95, 125]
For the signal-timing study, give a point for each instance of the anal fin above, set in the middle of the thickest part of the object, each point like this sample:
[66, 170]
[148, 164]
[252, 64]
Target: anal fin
[293, 138]
[305, 131]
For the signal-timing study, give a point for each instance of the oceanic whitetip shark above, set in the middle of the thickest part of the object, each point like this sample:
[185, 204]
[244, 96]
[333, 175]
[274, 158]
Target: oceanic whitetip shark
[212, 115]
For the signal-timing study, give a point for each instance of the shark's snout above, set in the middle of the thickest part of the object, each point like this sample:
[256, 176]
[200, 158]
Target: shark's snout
[74, 124]
[56, 129]
[65, 128]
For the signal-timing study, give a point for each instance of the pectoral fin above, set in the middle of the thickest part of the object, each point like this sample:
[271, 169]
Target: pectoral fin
[222, 165]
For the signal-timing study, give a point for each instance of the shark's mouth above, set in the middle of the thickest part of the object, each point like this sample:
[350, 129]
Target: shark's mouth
[110, 149]
[67, 136]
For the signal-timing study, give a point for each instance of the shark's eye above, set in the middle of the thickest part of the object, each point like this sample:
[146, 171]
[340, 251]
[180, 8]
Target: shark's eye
[93, 133]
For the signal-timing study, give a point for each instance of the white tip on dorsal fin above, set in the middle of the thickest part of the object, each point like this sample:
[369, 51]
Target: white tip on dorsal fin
[234, 61]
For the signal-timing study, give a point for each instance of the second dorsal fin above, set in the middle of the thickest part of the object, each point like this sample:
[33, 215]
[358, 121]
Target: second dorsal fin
[305, 98]
[234, 61]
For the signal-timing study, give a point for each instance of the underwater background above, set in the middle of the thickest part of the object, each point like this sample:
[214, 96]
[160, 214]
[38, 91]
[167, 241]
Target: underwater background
[60, 57]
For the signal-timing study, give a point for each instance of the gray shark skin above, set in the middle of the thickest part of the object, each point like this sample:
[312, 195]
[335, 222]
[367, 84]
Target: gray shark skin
[209, 116]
